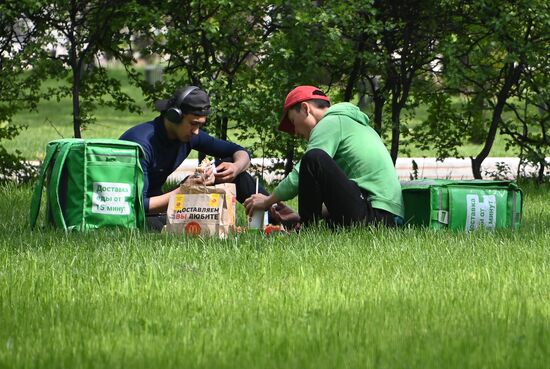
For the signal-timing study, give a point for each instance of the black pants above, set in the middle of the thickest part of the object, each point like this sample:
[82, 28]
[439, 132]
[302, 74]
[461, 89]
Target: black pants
[245, 186]
[323, 182]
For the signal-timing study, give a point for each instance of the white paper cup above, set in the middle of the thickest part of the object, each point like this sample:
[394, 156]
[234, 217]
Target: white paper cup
[258, 219]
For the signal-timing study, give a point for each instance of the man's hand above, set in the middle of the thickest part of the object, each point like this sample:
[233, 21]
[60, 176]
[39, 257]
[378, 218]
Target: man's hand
[281, 213]
[204, 179]
[226, 172]
[256, 201]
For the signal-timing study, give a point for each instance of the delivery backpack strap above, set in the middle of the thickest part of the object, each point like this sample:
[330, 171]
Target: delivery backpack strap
[53, 194]
[37, 193]
[139, 211]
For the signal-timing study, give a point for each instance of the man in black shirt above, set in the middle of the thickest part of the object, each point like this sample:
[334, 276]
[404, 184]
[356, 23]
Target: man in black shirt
[169, 138]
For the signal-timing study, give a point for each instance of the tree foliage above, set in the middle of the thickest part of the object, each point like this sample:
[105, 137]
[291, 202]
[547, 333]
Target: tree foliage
[495, 59]
[17, 91]
[83, 31]
[480, 66]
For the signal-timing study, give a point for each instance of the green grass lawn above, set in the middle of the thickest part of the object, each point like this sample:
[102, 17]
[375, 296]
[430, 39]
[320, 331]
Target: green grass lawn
[53, 120]
[379, 298]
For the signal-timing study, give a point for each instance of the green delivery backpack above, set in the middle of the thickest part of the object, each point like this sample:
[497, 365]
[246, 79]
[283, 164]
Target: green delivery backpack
[91, 184]
[462, 204]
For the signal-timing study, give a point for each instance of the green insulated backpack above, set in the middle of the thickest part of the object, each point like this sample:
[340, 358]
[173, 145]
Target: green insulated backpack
[91, 184]
[462, 204]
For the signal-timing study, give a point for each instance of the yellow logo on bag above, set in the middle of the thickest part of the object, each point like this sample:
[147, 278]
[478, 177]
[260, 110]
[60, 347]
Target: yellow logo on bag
[179, 202]
[214, 200]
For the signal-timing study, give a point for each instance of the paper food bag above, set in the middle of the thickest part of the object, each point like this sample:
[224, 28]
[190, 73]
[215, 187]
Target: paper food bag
[203, 210]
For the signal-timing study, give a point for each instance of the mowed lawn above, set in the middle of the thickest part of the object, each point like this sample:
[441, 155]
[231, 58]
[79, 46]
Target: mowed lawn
[363, 298]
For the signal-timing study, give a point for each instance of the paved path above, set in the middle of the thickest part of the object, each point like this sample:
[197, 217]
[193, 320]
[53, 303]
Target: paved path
[450, 168]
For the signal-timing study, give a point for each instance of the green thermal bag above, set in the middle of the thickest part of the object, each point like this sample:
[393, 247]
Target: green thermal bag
[90, 184]
[462, 204]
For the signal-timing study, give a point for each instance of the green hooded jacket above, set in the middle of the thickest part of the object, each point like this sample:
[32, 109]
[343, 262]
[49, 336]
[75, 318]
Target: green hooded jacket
[345, 135]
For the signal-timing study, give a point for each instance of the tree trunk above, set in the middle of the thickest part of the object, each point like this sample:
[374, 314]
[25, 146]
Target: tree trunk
[76, 102]
[352, 80]
[76, 61]
[512, 77]
[224, 120]
[478, 160]
[395, 131]
[400, 86]
[400, 94]
[223, 128]
[348, 94]
[477, 129]
[379, 101]
[476, 167]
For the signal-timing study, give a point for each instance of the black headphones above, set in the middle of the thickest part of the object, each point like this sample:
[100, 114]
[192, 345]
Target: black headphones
[174, 114]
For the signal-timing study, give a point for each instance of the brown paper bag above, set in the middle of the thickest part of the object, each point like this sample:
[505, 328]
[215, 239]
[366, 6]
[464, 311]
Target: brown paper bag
[203, 210]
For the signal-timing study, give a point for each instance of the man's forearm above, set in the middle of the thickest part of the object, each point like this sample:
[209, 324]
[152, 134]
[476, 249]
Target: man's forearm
[241, 160]
[271, 199]
[159, 204]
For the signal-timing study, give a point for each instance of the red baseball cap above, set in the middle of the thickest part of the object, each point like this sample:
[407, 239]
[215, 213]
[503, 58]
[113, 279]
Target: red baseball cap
[299, 94]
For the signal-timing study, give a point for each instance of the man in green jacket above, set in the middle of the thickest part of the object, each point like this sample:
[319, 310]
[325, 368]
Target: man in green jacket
[346, 166]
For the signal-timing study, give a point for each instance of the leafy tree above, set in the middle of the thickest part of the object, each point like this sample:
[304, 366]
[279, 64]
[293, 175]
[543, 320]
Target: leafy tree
[85, 29]
[246, 54]
[501, 44]
[305, 50]
[205, 43]
[396, 41]
[529, 127]
[444, 127]
[16, 91]
[249, 54]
